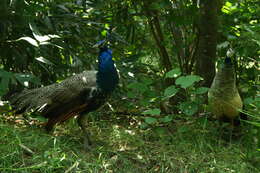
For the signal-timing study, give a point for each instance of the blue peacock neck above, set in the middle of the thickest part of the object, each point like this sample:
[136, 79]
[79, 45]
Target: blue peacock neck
[107, 77]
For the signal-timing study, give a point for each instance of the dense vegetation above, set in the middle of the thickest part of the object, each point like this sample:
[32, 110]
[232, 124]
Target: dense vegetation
[158, 119]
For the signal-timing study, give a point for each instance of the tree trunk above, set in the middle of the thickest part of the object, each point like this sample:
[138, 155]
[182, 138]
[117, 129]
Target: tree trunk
[205, 63]
[159, 39]
[157, 33]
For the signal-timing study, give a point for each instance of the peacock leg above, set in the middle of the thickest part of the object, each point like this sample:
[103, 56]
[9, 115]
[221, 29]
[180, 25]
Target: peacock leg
[87, 141]
[49, 125]
[231, 130]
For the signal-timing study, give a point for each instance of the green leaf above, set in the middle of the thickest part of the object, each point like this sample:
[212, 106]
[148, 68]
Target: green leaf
[152, 112]
[104, 33]
[201, 90]
[38, 117]
[29, 40]
[4, 85]
[144, 102]
[170, 91]
[39, 37]
[227, 7]
[189, 108]
[107, 26]
[141, 87]
[248, 100]
[143, 125]
[25, 78]
[147, 81]
[187, 81]
[131, 94]
[166, 119]
[64, 8]
[183, 129]
[150, 120]
[5, 78]
[44, 60]
[173, 73]
[160, 130]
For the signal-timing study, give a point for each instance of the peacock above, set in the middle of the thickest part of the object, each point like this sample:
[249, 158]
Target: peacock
[76, 95]
[223, 96]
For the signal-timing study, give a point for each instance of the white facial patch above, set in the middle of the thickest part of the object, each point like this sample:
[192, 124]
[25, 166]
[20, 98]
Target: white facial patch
[84, 79]
[92, 89]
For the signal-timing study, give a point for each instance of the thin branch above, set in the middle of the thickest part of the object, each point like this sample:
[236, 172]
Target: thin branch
[28, 150]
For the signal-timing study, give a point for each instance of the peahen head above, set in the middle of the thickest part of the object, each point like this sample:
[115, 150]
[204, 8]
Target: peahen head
[226, 72]
[228, 61]
[227, 64]
[107, 76]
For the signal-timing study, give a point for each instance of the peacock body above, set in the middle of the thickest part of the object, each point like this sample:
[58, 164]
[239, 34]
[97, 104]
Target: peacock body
[223, 96]
[76, 95]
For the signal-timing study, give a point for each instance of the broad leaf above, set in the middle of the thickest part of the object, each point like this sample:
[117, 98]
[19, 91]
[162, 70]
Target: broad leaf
[160, 130]
[138, 86]
[187, 81]
[201, 90]
[173, 73]
[39, 37]
[44, 60]
[189, 108]
[170, 91]
[166, 119]
[150, 120]
[29, 40]
[24, 79]
[5, 78]
[131, 94]
[143, 125]
[152, 112]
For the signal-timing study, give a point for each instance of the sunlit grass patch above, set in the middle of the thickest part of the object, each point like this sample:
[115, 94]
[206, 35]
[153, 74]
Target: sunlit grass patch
[183, 146]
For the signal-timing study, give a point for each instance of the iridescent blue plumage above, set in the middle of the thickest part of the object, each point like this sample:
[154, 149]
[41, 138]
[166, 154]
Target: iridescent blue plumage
[107, 76]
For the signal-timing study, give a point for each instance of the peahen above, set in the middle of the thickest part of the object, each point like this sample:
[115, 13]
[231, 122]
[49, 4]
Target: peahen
[223, 97]
[76, 95]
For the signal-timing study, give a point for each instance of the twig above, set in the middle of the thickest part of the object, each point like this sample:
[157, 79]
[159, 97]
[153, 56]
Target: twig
[73, 166]
[28, 150]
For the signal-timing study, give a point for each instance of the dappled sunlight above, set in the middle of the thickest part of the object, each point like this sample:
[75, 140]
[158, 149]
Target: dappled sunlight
[119, 148]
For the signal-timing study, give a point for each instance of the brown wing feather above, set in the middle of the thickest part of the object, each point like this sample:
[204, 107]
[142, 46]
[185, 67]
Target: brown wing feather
[64, 116]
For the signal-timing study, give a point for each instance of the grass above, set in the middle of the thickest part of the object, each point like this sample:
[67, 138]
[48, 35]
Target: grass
[120, 146]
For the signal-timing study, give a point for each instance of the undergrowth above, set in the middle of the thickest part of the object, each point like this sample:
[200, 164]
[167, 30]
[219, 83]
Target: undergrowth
[120, 146]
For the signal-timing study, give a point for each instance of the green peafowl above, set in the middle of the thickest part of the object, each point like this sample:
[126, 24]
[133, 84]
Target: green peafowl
[76, 95]
[223, 97]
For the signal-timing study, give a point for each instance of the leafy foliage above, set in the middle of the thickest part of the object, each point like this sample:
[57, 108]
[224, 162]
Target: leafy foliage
[156, 51]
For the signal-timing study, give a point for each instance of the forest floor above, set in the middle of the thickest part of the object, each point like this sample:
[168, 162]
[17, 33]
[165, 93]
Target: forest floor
[120, 146]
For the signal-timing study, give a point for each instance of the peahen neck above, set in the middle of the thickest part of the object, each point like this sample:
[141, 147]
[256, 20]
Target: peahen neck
[225, 75]
[107, 76]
